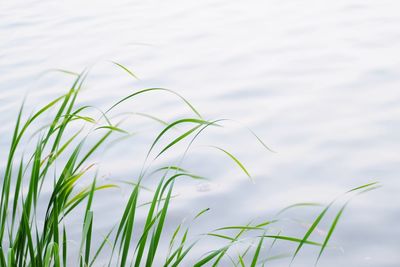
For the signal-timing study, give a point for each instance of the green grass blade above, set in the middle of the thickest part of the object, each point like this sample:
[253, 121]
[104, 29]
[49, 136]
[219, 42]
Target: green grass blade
[209, 257]
[155, 89]
[293, 239]
[310, 230]
[257, 253]
[126, 69]
[236, 161]
[330, 232]
[157, 234]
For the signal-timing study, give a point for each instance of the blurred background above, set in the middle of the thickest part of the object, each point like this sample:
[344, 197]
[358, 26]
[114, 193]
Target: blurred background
[318, 81]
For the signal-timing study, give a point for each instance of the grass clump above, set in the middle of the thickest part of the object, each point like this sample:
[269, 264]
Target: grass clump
[34, 226]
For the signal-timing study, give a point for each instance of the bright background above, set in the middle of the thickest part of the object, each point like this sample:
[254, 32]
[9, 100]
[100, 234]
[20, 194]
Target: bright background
[319, 81]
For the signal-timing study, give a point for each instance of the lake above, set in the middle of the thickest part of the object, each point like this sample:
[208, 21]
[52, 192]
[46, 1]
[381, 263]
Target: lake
[318, 81]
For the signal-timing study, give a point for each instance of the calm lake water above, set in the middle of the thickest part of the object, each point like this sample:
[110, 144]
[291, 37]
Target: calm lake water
[318, 81]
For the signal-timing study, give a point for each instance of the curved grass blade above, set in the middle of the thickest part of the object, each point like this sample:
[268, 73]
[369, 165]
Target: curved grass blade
[157, 234]
[125, 69]
[155, 89]
[257, 253]
[201, 213]
[171, 125]
[293, 239]
[236, 161]
[367, 188]
[176, 140]
[211, 256]
[112, 128]
[303, 204]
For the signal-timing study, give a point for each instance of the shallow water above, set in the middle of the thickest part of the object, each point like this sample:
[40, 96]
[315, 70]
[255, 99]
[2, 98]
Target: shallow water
[318, 81]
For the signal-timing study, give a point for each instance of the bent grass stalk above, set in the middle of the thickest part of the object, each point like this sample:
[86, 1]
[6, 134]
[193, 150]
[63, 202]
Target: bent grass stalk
[62, 156]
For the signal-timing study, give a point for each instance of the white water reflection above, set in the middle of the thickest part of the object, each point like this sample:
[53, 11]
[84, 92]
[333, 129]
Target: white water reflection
[318, 80]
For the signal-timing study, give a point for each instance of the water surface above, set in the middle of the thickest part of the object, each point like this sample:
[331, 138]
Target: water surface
[318, 81]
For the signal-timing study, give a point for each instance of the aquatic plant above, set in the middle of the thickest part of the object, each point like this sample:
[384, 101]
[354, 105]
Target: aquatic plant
[34, 227]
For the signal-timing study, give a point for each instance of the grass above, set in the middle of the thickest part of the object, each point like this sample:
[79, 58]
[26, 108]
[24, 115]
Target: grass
[34, 225]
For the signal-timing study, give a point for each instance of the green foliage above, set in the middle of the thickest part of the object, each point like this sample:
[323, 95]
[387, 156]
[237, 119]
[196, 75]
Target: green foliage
[29, 237]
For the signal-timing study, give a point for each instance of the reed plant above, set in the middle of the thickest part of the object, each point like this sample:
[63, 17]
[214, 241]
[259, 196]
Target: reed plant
[34, 221]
